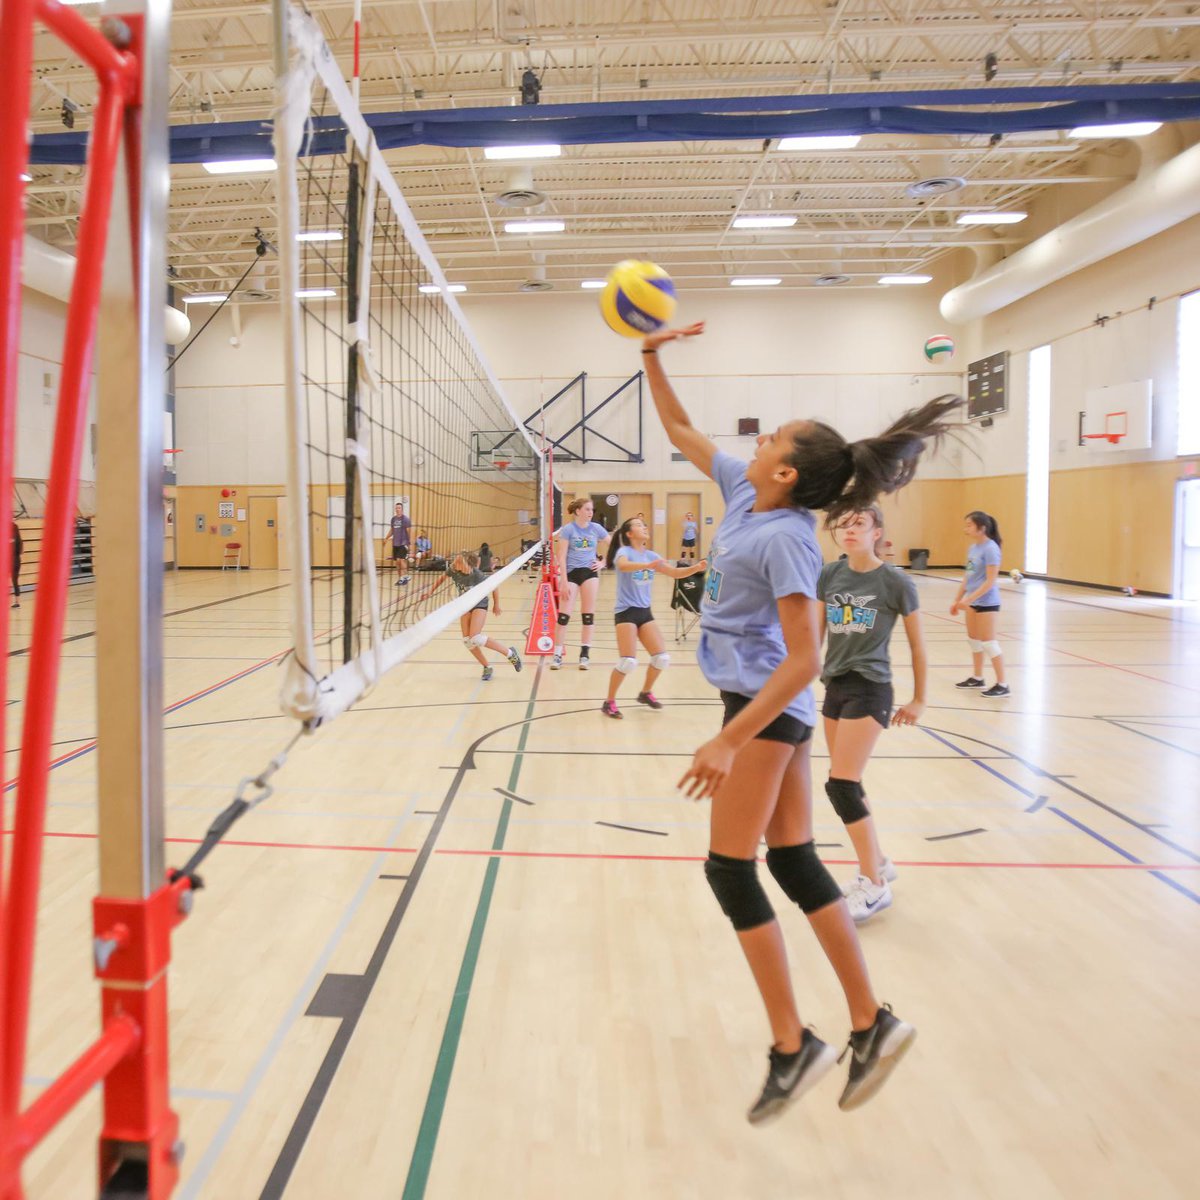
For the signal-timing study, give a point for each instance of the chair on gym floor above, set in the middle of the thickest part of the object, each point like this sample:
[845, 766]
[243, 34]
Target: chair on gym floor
[232, 556]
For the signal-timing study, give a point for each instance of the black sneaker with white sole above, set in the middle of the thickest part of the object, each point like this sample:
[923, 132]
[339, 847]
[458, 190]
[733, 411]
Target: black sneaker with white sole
[997, 689]
[970, 682]
[791, 1075]
[874, 1054]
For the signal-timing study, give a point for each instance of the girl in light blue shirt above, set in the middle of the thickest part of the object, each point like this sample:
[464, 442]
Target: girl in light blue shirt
[636, 564]
[978, 599]
[760, 645]
[579, 548]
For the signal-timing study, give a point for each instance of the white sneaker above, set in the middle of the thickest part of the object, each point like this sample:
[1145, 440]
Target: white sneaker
[556, 663]
[866, 899]
[887, 869]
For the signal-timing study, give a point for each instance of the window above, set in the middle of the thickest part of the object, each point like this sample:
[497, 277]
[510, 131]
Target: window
[1037, 461]
[1188, 436]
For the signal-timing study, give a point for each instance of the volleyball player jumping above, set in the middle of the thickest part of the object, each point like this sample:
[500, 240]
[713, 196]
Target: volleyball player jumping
[760, 645]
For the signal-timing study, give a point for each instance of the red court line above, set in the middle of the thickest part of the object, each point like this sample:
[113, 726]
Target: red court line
[688, 858]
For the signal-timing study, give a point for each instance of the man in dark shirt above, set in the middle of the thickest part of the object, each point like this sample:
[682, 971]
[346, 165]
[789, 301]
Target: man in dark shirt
[401, 525]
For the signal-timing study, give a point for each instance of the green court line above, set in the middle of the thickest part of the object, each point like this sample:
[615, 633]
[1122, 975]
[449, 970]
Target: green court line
[439, 1086]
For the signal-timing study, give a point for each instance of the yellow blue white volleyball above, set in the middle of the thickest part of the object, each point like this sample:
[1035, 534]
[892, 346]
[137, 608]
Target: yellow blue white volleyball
[638, 298]
[938, 347]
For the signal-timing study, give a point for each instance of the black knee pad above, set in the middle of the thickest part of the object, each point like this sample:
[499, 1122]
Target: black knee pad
[735, 884]
[846, 796]
[803, 876]
[564, 618]
[588, 618]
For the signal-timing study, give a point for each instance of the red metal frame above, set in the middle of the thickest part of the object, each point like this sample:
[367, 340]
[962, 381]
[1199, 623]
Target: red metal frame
[130, 1055]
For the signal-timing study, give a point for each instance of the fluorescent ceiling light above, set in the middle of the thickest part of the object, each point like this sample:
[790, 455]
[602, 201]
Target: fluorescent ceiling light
[534, 226]
[769, 222]
[593, 284]
[992, 218]
[239, 166]
[320, 235]
[1128, 129]
[205, 298]
[315, 293]
[901, 280]
[542, 151]
[834, 141]
[755, 281]
[432, 289]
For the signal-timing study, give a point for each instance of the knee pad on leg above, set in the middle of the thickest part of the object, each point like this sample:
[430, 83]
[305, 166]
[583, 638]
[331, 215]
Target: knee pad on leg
[976, 645]
[564, 618]
[991, 649]
[735, 884]
[626, 665]
[479, 640]
[846, 796]
[803, 876]
[660, 662]
[588, 618]
[468, 641]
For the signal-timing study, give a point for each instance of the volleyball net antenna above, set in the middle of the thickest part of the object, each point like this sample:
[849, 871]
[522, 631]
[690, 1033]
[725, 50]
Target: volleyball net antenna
[390, 401]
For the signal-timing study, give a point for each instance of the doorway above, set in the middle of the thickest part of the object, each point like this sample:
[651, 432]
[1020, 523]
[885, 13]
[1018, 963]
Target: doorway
[264, 532]
[1187, 540]
[606, 509]
[632, 503]
[679, 504]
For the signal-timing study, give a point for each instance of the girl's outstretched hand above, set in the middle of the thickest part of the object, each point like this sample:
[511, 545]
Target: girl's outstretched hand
[652, 341]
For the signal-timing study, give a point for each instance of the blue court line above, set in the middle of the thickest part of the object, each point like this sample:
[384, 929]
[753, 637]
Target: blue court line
[1125, 854]
[1012, 783]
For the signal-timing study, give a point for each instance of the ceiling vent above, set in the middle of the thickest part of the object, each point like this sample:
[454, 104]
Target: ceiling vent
[938, 185]
[831, 280]
[537, 282]
[519, 191]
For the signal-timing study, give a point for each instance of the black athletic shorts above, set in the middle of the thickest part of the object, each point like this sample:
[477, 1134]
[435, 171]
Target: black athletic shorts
[689, 543]
[784, 728]
[850, 696]
[985, 608]
[633, 616]
[399, 551]
[582, 575]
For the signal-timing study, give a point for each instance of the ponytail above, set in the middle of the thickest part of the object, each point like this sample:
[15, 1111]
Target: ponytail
[618, 539]
[988, 524]
[843, 477]
[577, 504]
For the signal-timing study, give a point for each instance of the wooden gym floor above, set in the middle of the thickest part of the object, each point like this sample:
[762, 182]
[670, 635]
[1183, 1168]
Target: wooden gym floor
[467, 949]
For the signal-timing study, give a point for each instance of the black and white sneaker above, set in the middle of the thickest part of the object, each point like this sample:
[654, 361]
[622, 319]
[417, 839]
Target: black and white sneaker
[791, 1075]
[970, 682]
[997, 689]
[556, 662]
[514, 658]
[585, 662]
[874, 1053]
[487, 674]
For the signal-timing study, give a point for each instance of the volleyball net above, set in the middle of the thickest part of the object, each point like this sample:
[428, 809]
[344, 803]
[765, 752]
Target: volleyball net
[390, 402]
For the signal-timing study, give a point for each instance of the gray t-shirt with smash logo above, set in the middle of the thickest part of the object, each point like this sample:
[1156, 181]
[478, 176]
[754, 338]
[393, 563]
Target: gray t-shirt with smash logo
[861, 608]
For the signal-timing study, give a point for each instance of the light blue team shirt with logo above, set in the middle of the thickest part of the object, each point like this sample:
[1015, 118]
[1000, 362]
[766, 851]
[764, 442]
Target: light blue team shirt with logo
[689, 531]
[634, 587]
[755, 559]
[581, 543]
[981, 556]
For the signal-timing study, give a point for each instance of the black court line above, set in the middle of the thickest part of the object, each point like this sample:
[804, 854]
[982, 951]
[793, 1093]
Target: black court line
[393, 876]
[179, 612]
[633, 828]
[1038, 803]
[513, 796]
[346, 1001]
[1131, 728]
[426, 812]
[945, 837]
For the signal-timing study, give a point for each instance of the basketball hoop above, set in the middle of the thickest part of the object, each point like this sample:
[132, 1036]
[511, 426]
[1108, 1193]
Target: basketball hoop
[501, 460]
[169, 459]
[1113, 438]
[1116, 426]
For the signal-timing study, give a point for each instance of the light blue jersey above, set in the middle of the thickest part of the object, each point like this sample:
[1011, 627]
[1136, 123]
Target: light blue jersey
[634, 587]
[981, 556]
[756, 558]
[689, 531]
[582, 543]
